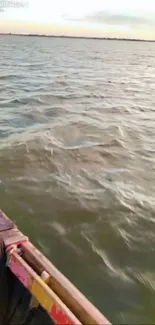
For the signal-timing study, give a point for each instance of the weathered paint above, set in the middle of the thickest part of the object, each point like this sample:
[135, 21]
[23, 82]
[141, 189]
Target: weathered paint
[68, 301]
[9, 232]
[40, 290]
[20, 271]
[59, 316]
[80, 306]
[43, 298]
[56, 313]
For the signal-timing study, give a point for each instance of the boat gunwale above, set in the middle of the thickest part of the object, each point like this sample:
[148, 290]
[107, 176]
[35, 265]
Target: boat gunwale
[70, 296]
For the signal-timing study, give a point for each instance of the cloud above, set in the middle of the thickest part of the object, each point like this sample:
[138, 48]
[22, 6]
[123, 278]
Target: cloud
[114, 19]
[72, 18]
[7, 4]
[120, 19]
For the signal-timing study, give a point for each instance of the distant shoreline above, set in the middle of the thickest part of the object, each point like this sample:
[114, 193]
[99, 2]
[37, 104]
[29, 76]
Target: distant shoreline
[80, 37]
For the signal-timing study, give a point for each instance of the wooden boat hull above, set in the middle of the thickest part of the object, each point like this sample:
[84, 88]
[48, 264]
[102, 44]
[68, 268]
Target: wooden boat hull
[50, 296]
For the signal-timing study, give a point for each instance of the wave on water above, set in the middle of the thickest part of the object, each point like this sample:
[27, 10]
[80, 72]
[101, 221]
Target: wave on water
[77, 163]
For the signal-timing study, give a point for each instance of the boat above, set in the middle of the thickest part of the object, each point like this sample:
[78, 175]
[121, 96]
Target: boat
[32, 290]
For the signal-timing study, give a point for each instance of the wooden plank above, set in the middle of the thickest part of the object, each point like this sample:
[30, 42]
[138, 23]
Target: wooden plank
[65, 294]
[58, 311]
[9, 232]
[81, 307]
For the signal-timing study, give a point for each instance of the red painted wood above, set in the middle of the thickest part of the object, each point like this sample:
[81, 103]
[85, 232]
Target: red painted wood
[59, 316]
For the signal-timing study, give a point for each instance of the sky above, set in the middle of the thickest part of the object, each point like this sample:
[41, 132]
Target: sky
[91, 18]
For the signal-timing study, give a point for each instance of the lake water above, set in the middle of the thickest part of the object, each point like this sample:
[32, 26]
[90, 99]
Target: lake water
[77, 163]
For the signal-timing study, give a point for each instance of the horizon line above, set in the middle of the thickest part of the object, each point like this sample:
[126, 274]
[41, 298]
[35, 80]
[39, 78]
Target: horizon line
[78, 37]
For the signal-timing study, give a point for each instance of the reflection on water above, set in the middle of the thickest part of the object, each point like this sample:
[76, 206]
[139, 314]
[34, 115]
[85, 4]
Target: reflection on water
[77, 163]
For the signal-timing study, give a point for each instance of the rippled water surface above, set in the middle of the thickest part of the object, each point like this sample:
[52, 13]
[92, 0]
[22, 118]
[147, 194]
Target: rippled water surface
[77, 163]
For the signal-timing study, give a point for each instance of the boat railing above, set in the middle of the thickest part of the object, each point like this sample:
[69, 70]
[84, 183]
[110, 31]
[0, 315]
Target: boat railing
[49, 287]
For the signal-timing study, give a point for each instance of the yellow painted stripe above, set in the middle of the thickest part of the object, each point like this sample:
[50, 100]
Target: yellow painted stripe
[40, 290]
[39, 293]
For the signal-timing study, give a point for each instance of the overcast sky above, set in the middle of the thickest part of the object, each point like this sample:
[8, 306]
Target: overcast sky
[111, 18]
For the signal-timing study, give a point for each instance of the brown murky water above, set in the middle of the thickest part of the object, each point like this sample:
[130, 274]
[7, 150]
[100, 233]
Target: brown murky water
[77, 163]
